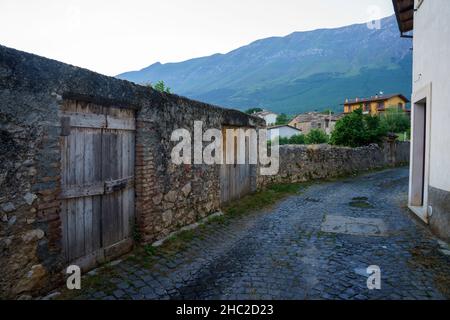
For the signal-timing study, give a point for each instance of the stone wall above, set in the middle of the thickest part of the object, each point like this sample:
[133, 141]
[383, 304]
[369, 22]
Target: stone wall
[439, 200]
[171, 196]
[300, 163]
[32, 90]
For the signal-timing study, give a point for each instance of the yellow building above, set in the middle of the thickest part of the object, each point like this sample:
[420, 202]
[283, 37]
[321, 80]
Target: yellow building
[377, 104]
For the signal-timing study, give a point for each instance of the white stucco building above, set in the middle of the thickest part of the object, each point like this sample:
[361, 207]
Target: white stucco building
[428, 22]
[284, 131]
[270, 117]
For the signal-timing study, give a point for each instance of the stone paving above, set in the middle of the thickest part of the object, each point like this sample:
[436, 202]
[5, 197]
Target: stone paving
[314, 245]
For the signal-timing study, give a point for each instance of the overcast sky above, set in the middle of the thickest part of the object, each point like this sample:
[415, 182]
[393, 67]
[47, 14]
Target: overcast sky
[112, 36]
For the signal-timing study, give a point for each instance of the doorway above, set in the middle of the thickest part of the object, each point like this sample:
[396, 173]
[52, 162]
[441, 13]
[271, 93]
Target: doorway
[420, 152]
[97, 182]
[418, 155]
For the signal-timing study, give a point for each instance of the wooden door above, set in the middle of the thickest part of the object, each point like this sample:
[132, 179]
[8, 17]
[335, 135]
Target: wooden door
[235, 179]
[97, 181]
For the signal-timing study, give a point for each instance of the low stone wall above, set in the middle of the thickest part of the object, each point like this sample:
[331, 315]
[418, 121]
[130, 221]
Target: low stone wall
[300, 163]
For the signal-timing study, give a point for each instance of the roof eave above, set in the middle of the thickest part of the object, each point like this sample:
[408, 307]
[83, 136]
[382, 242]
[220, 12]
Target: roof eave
[404, 25]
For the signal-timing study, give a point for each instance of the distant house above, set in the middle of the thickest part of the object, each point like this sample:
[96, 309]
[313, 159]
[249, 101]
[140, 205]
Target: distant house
[270, 117]
[284, 131]
[428, 23]
[314, 120]
[376, 104]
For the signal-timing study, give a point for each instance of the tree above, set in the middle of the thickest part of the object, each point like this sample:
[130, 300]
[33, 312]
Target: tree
[282, 119]
[316, 136]
[283, 141]
[297, 139]
[160, 86]
[396, 120]
[357, 129]
[253, 110]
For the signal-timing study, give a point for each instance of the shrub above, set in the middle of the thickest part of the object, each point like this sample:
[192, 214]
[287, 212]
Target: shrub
[297, 139]
[161, 87]
[396, 120]
[357, 129]
[282, 119]
[316, 136]
[283, 141]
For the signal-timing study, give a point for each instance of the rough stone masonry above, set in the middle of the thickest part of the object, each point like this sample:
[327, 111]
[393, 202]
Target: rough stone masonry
[167, 197]
[300, 163]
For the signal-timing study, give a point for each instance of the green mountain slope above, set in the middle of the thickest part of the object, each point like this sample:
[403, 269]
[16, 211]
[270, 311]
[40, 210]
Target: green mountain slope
[303, 71]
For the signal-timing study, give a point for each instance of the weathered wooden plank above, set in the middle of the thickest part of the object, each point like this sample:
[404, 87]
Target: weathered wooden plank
[72, 229]
[109, 204]
[72, 192]
[89, 168]
[79, 180]
[120, 124]
[97, 200]
[226, 177]
[88, 225]
[96, 222]
[128, 209]
[64, 209]
[86, 120]
[97, 155]
[245, 189]
[79, 191]
[222, 183]
[232, 180]
[79, 155]
[121, 185]
[240, 180]
[64, 231]
[88, 178]
[71, 159]
[107, 224]
[115, 203]
[71, 204]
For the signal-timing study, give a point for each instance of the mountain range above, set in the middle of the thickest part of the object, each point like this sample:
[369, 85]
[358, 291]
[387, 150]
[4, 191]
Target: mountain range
[303, 71]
